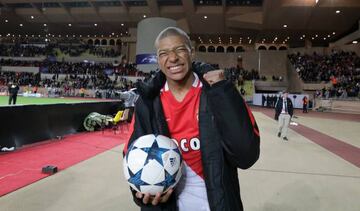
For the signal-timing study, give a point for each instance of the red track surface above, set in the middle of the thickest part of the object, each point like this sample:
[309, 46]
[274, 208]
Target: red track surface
[315, 114]
[342, 149]
[23, 166]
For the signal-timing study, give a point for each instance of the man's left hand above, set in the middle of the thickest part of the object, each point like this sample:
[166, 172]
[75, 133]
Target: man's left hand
[212, 77]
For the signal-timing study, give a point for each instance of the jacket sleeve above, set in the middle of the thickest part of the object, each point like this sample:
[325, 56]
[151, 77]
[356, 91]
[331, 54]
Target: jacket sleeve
[277, 109]
[135, 131]
[139, 127]
[236, 124]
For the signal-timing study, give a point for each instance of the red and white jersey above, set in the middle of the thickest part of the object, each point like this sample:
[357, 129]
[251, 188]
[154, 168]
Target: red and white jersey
[183, 122]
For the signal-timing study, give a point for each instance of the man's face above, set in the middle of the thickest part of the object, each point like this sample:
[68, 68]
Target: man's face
[285, 95]
[174, 57]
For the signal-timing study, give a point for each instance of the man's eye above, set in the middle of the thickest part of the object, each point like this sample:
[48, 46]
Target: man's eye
[161, 54]
[181, 49]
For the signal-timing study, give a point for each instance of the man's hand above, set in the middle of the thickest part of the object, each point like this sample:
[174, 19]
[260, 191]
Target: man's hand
[214, 76]
[154, 200]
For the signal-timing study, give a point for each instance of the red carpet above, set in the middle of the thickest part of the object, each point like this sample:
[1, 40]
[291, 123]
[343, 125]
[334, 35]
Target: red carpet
[23, 167]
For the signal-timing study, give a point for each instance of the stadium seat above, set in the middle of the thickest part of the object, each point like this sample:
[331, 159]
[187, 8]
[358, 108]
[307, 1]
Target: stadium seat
[120, 123]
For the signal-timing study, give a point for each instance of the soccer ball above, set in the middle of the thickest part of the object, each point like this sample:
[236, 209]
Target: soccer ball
[152, 164]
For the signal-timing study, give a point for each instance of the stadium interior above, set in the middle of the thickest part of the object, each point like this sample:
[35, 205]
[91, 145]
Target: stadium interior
[76, 63]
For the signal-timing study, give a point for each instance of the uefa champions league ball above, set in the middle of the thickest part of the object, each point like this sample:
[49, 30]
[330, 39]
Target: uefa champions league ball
[152, 164]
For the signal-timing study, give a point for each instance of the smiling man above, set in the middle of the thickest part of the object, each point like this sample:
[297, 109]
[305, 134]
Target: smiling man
[193, 104]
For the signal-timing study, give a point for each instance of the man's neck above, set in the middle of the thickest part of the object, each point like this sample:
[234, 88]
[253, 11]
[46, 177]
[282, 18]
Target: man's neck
[180, 88]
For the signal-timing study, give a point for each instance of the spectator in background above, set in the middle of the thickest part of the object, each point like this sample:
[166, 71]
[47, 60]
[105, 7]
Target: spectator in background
[13, 90]
[283, 113]
[263, 100]
[305, 104]
[242, 91]
[35, 89]
[82, 92]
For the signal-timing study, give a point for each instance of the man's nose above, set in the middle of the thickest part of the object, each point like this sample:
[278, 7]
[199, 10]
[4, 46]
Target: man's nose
[173, 56]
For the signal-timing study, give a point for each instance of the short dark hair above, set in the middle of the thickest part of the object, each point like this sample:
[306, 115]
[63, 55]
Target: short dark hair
[173, 31]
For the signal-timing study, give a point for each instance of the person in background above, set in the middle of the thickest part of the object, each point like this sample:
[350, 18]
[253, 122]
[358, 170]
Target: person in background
[82, 92]
[129, 98]
[305, 104]
[263, 100]
[283, 112]
[13, 90]
[35, 89]
[242, 91]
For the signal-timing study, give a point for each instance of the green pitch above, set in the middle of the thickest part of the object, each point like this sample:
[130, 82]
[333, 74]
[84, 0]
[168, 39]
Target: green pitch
[4, 100]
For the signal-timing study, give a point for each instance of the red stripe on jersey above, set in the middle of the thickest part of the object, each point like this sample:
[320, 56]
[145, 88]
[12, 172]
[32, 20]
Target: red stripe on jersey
[182, 120]
[252, 119]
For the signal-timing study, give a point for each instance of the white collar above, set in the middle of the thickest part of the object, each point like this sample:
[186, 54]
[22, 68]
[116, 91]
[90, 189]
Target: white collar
[196, 83]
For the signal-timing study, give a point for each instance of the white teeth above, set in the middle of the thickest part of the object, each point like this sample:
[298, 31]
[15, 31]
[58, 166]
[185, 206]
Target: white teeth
[175, 68]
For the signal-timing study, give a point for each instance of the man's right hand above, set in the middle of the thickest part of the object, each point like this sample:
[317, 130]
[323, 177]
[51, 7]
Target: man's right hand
[154, 200]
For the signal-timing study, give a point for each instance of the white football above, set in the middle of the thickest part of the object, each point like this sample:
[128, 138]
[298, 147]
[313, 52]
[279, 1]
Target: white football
[152, 164]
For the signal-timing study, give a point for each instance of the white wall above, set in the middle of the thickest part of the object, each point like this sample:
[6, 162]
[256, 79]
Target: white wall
[20, 69]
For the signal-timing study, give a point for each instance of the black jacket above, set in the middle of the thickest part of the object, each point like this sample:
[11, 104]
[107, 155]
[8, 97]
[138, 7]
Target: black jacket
[228, 133]
[279, 105]
[13, 89]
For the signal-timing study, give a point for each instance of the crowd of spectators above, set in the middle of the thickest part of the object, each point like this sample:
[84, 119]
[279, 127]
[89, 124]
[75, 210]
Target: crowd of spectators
[66, 86]
[20, 63]
[21, 78]
[79, 68]
[340, 68]
[83, 68]
[101, 52]
[51, 49]
[237, 73]
[77, 50]
[338, 92]
[64, 77]
[25, 50]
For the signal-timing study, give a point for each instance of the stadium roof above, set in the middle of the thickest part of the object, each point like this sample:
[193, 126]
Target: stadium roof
[256, 20]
